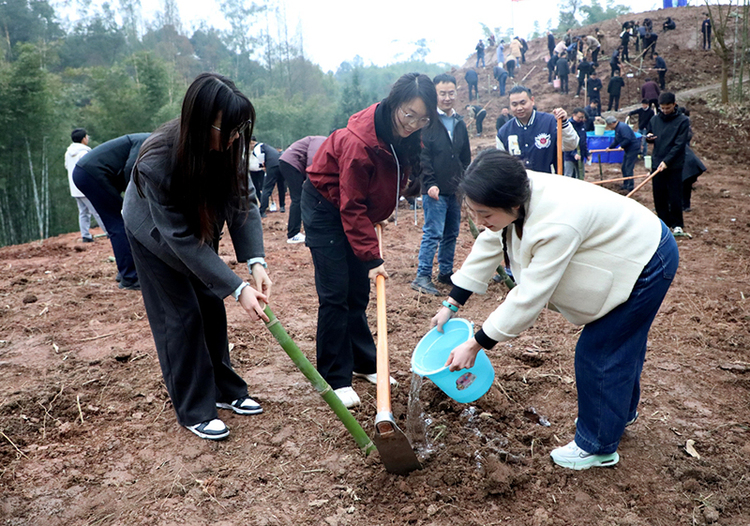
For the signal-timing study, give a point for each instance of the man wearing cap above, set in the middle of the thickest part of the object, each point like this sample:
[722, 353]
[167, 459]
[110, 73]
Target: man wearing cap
[625, 138]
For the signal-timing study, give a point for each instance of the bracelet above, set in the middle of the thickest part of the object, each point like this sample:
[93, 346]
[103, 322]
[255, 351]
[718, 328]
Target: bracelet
[450, 306]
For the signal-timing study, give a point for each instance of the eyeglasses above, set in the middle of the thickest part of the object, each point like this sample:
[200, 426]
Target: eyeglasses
[448, 94]
[412, 120]
[239, 130]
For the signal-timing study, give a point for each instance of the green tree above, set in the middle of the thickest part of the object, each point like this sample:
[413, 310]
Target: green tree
[27, 21]
[353, 99]
[595, 12]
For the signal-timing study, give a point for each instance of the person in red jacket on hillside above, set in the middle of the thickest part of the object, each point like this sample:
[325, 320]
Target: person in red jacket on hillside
[354, 182]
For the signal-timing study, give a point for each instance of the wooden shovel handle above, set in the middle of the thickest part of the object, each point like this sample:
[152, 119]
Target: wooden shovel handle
[559, 147]
[383, 368]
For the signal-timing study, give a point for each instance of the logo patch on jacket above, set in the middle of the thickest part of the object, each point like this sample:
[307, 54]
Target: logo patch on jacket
[543, 140]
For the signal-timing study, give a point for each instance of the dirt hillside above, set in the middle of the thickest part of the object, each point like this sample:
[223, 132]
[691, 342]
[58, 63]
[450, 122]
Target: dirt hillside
[89, 436]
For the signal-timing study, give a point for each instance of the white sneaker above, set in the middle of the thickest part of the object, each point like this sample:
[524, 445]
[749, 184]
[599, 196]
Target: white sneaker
[677, 230]
[299, 237]
[573, 457]
[373, 378]
[348, 396]
[272, 207]
[210, 430]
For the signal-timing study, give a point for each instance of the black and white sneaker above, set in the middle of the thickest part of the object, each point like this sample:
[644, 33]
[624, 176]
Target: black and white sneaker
[242, 406]
[210, 430]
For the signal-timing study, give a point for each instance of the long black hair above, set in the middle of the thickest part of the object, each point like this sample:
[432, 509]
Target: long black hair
[208, 183]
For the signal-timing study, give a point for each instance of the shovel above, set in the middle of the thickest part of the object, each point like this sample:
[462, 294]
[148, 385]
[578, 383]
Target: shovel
[393, 446]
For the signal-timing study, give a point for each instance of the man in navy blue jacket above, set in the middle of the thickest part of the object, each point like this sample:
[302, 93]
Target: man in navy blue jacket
[532, 135]
[625, 139]
[445, 155]
[661, 67]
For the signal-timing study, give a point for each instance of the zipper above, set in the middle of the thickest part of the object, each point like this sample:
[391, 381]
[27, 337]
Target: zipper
[398, 183]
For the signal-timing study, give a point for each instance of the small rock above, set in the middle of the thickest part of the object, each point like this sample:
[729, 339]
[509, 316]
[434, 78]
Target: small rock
[30, 298]
[710, 514]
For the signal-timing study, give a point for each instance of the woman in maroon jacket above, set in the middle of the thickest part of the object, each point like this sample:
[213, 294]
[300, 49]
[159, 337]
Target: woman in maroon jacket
[353, 183]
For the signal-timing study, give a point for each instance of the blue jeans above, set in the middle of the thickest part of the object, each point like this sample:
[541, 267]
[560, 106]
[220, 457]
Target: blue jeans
[644, 144]
[442, 220]
[611, 351]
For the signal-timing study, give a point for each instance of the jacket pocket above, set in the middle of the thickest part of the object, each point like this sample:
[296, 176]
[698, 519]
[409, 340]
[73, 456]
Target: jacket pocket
[583, 288]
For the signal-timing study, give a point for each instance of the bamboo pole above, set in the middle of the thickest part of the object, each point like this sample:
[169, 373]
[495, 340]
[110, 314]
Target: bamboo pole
[620, 179]
[643, 183]
[325, 391]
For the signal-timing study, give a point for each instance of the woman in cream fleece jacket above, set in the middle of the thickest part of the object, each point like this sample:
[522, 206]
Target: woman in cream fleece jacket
[602, 260]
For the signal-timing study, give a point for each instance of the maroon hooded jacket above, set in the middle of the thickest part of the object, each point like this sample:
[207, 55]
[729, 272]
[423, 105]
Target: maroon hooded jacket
[359, 175]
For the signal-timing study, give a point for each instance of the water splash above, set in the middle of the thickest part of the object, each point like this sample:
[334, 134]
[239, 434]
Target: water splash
[417, 422]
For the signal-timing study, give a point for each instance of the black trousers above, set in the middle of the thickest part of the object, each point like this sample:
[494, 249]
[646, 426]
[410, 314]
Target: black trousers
[595, 56]
[343, 341]
[667, 188]
[687, 191]
[273, 178]
[563, 84]
[614, 100]
[189, 325]
[661, 79]
[257, 179]
[294, 180]
[480, 119]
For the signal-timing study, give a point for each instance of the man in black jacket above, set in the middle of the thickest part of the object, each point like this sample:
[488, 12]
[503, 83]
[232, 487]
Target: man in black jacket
[550, 43]
[645, 112]
[614, 88]
[625, 139]
[668, 130]
[446, 153]
[594, 90]
[661, 67]
[562, 67]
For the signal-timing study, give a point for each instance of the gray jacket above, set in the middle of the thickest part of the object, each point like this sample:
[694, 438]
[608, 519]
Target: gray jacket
[157, 221]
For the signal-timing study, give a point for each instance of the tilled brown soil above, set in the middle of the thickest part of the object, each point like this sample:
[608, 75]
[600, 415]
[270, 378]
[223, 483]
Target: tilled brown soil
[89, 436]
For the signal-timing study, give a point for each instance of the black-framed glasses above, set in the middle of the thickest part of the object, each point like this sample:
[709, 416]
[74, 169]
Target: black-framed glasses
[239, 130]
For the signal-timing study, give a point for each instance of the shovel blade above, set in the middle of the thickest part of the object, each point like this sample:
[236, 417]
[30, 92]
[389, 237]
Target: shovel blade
[394, 448]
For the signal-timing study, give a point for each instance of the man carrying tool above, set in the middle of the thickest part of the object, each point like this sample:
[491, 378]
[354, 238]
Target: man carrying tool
[573, 161]
[668, 130]
[532, 135]
[446, 153]
[625, 139]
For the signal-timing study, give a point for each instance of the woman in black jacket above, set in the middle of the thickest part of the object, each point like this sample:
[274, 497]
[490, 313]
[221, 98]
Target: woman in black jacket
[190, 179]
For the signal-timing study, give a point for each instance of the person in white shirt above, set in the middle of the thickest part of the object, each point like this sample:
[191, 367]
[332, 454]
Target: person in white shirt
[77, 149]
[600, 259]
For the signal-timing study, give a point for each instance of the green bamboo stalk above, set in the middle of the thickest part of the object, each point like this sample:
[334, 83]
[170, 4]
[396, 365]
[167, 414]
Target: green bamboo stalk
[325, 391]
[500, 269]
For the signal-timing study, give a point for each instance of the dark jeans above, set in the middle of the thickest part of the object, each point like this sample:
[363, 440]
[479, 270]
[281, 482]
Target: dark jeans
[667, 189]
[661, 79]
[610, 354]
[273, 178]
[473, 86]
[628, 163]
[615, 69]
[189, 325]
[344, 342]
[511, 67]
[595, 56]
[108, 204]
[294, 180]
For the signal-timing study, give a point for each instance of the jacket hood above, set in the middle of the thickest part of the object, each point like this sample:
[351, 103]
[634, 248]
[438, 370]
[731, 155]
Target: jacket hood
[75, 149]
[360, 125]
[672, 116]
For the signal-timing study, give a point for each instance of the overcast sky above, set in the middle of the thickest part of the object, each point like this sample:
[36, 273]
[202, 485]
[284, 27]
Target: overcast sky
[383, 32]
